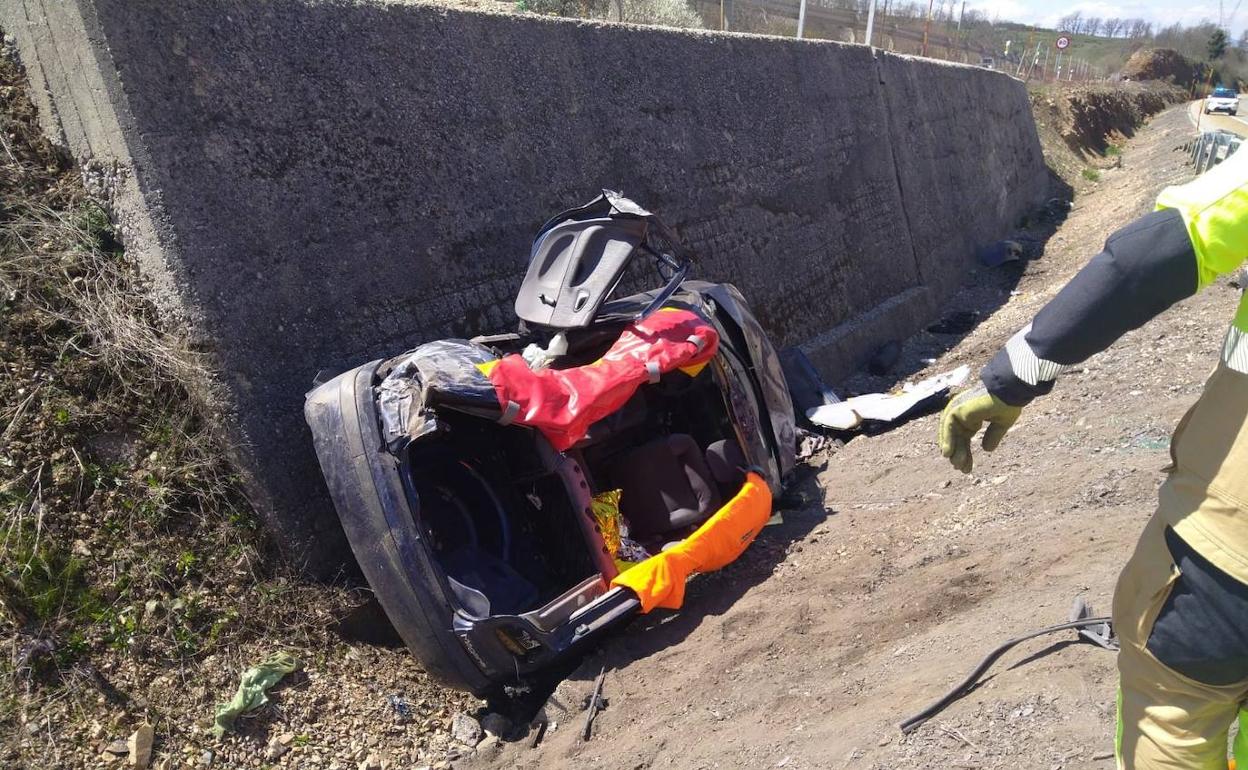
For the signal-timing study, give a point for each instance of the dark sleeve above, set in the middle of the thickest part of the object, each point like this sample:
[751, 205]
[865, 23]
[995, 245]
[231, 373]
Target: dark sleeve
[1145, 268]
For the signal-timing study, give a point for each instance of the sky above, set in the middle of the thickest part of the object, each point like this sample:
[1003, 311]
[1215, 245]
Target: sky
[1160, 12]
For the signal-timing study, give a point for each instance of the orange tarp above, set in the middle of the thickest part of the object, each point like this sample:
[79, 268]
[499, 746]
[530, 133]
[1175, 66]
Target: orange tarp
[660, 580]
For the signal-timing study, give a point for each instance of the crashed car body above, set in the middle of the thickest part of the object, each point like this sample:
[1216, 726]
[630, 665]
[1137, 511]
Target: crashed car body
[469, 474]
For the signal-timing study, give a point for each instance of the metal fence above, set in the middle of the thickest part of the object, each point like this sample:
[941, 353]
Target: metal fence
[1211, 148]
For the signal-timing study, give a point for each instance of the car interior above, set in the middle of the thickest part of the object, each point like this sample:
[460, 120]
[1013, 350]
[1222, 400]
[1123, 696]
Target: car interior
[503, 525]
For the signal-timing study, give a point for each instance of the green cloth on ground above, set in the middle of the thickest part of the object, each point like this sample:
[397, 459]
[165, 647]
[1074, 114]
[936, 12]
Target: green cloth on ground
[252, 690]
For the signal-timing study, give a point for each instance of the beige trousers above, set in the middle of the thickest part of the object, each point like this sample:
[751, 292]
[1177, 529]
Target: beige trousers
[1166, 719]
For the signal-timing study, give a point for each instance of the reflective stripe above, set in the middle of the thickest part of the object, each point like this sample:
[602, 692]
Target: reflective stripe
[1235, 350]
[1241, 742]
[653, 372]
[1027, 366]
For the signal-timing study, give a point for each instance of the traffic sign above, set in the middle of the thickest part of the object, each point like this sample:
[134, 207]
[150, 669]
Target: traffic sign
[1063, 43]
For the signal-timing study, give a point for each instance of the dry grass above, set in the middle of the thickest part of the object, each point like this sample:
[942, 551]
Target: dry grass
[128, 552]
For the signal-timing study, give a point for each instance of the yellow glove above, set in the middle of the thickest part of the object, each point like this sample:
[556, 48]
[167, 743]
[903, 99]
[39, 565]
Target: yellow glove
[965, 415]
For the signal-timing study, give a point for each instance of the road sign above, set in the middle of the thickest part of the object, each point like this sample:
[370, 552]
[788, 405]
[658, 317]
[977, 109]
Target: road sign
[1063, 43]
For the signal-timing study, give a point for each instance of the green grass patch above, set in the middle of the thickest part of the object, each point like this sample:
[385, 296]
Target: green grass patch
[1092, 175]
[45, 580]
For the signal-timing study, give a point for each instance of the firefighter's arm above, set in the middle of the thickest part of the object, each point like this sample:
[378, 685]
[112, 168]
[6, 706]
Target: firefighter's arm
[1144, 268]
[1198, 232]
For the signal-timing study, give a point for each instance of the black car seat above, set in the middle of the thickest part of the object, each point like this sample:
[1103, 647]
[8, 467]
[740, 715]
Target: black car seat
[666, 485]
[727, 464]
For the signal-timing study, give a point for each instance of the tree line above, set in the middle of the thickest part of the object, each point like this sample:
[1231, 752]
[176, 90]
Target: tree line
[1078, 24]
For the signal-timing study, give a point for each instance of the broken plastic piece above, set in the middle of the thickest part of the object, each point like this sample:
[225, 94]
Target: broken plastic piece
[885, 407]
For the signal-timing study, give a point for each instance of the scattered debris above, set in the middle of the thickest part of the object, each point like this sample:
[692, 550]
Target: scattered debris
[402, 709]
[594, 704]
[886, 407]
[999, 253]
[810, 444]
[539, 732]
[253, 690]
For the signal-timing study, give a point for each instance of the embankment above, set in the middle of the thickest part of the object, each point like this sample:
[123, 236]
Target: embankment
[1079, 123]
[312, 184]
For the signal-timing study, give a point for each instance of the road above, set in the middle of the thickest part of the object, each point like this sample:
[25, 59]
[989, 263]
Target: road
[1236, 125]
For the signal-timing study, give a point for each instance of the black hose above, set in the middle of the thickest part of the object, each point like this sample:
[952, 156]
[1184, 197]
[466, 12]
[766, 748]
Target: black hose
[963, 687]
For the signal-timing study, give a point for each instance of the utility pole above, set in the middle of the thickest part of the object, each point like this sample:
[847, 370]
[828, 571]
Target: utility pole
[961, 14]
[927, 26]
[801, 19]
[870, 22]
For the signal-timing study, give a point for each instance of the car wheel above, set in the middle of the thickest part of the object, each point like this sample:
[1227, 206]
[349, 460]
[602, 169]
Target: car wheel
[371, 504]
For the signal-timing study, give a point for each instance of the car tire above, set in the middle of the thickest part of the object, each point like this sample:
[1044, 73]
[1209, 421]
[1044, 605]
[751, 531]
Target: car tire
[372, 506]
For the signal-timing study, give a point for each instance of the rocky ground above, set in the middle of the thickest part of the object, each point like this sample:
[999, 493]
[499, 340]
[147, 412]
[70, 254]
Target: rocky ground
[854, 611]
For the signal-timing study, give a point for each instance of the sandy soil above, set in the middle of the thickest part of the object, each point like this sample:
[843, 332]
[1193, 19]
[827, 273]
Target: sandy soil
[854, 611]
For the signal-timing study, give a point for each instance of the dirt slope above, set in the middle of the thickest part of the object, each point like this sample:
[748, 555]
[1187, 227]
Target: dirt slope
[1082, 126]
[852, 613]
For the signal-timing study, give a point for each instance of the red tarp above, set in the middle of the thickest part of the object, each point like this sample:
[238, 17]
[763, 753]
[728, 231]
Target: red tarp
[563, 403]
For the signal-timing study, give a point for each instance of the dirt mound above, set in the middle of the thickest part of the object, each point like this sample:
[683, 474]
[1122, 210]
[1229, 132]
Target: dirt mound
[1081, 127]
[1164, 64]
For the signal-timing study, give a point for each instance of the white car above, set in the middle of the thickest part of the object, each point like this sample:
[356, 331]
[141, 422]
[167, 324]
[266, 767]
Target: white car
[1222, 100]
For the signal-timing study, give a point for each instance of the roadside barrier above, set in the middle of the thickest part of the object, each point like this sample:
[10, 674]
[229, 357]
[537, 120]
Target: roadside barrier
[1211, 148]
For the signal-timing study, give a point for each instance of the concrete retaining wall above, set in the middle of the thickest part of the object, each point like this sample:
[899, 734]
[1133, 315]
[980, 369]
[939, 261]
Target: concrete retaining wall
[311, 184]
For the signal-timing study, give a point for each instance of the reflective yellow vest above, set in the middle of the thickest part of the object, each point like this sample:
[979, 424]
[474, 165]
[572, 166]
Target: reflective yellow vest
[1214, 206]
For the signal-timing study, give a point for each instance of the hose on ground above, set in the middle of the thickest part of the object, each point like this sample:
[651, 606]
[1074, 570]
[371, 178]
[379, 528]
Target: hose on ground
[963, 687]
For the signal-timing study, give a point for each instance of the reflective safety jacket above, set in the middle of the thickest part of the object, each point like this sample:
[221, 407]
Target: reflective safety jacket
[1198, 232]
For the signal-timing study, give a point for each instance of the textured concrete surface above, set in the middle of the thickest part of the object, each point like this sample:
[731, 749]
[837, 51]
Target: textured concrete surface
[312, 184]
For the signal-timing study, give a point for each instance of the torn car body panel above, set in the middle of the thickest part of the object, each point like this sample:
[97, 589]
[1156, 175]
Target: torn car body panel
[472, 519]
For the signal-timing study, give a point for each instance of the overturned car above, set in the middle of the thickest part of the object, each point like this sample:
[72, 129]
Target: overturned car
[511, 497]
